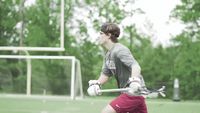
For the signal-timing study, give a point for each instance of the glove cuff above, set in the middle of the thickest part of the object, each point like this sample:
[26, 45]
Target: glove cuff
[134, 79]
[94, 82]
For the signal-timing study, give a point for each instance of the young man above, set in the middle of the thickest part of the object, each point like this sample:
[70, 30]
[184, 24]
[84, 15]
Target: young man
[119, 63]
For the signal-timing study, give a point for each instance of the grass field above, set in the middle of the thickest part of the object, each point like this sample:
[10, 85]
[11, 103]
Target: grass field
[21, 104]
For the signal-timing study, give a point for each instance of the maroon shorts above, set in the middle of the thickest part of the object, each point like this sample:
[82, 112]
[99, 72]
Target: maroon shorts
[129, 104]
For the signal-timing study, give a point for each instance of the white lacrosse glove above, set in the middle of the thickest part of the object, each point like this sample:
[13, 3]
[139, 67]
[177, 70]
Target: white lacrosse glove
[134, 85]
[94, 87]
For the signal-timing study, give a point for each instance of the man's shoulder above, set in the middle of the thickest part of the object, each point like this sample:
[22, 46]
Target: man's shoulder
[120, 47]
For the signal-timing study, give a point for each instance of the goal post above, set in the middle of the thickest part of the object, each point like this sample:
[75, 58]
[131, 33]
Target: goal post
[61, 48]
[76, 80]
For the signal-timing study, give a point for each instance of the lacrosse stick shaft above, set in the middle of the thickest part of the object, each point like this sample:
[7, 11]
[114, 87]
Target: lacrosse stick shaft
[114, 90]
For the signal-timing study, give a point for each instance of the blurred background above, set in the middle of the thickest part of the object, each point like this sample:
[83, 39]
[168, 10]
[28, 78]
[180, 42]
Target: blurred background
[163, 36]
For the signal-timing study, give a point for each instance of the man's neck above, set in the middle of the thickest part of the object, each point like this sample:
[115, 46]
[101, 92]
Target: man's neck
[109, 45]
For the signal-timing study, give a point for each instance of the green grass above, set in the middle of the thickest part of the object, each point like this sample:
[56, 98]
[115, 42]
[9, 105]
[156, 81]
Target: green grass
[87, 105]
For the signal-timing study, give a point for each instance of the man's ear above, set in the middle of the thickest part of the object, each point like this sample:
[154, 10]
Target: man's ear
[109, 34]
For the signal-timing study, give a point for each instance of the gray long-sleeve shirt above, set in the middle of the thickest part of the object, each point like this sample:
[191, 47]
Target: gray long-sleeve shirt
[118, 62]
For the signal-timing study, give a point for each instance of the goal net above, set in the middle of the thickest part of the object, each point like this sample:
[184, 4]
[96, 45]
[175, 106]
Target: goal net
[39, 75]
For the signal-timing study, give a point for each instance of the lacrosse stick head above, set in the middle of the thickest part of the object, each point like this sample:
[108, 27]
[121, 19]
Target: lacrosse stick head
[161, 91]
[162, 94]
[162, 88]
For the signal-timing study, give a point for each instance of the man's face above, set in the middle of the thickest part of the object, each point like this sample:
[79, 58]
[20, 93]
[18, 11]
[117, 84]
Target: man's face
[103, 38]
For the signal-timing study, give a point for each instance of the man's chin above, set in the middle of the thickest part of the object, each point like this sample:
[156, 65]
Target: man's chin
[99, 43]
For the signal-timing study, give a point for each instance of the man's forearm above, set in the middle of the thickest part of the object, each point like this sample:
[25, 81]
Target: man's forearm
[136, 70]
[103, 79]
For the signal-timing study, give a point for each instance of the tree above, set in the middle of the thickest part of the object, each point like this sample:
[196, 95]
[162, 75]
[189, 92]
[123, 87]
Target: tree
[188, 12]
[187, 48]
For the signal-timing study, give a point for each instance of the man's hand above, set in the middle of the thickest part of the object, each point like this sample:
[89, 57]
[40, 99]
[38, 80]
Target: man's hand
[134, 85]
[94, 87]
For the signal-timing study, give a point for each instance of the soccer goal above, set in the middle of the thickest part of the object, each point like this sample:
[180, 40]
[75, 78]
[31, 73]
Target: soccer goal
[75, 73]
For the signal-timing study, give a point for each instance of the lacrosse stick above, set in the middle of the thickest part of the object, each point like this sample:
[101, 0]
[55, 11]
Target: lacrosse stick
[143, 93]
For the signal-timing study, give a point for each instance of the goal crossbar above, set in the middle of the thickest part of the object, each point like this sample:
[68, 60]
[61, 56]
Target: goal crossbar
[4, 48]
[36, 57]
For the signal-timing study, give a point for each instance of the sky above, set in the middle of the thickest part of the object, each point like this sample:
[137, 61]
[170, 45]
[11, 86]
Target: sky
[157, 12]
